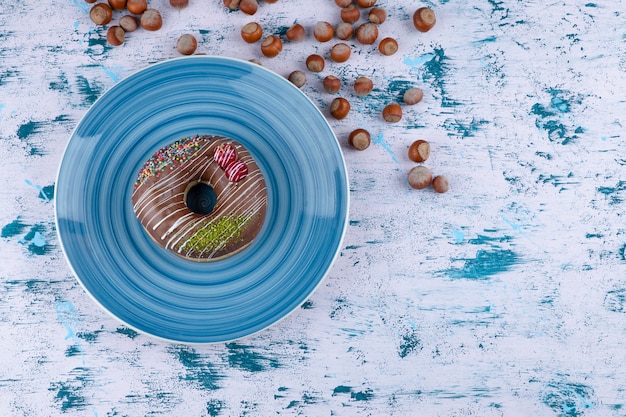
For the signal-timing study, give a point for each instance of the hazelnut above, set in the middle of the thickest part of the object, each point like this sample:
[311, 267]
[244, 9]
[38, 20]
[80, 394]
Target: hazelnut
[344, 31]
[331, 84]
[413, 96]
[187, 44]
[323, 31]
[343, 3]
[90, 1]
[377, 15]
[137, 6]
[231, 4]
[315, 63]
[367, 33]
[298, 78]
[128, 23]
[248, 6]
[362, 86]
[392, 113]
[339, 108]
[350, 14]
[179, 4]
[420, 177]
[296, 33]
[419, 151]
[271, 1]
[424, 19]
[340, 52]
[441, 184]
[366, 3]
[271, 46]
[115, 35]
[101, 14]
[151, 20]
[359, 139]
[117, 4]
[251, 32]
[388, 46]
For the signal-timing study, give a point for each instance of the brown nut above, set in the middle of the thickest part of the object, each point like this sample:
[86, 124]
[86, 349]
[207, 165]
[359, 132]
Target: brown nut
[115, 35]
[339, 108]
[129, 23]
[297, 78]
[344, 31]
[251, 32]
[424, 19]
[271, 46]
[117, 4]
[367, 33]
[340, 52]
[420, 177]
[377, 15]
[179, 4]
[296, 33]
[101, 14]
[366, 3]
[90, 1]
[419, 151]
[315, 63]
[331, 84]
[232, 4]
[248, 6]
[187, 44]
[350, 14]
[388, 46]
[413, 96]
[151, 20]
[137, 6]
[323, 31]
[362, 86]
[392, 113]
[360, 139]
[441, 184]
[343, 3]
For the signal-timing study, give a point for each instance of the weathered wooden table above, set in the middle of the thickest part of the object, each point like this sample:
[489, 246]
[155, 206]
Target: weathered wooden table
[505, 296]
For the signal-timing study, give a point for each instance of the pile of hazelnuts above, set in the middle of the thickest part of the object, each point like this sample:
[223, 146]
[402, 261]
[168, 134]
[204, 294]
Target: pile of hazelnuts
[139, 15]
[366, 33]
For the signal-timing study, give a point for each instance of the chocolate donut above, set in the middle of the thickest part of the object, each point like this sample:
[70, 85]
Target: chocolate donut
[202, 197]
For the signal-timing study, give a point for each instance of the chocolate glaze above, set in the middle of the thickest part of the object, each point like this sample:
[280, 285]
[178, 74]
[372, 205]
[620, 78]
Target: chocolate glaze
[159, 201]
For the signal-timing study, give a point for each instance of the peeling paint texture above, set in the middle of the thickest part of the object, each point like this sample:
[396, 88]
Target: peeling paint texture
[505, 296]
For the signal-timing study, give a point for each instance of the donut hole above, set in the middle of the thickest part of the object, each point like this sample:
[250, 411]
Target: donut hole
[200, 197]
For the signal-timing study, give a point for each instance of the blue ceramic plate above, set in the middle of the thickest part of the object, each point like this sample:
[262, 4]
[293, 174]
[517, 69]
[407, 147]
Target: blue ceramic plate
[155, 291]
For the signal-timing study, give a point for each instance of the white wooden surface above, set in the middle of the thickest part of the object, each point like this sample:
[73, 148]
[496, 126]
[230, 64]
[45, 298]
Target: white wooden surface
[504, 297]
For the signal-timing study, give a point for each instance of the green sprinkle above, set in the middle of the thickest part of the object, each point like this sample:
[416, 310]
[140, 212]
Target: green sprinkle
[214, 235]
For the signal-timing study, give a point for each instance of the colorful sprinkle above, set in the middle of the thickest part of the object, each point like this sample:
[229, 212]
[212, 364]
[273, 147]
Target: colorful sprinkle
[174, 155]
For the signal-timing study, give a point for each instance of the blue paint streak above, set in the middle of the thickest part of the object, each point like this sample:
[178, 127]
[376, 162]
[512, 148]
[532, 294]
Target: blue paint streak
[114, 73]
[486, 264]
[38, 240]
[380, 140]
[418, 61]
[513, 225]
[569, 399]
[38, 188]
[66, 315]
[459, 236]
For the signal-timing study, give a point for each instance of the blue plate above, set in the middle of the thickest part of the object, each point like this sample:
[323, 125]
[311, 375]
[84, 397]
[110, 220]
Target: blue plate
[155, 291]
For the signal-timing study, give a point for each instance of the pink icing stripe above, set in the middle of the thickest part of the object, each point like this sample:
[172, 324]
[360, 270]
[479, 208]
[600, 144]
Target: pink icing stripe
[236, 171]
[225, 154]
